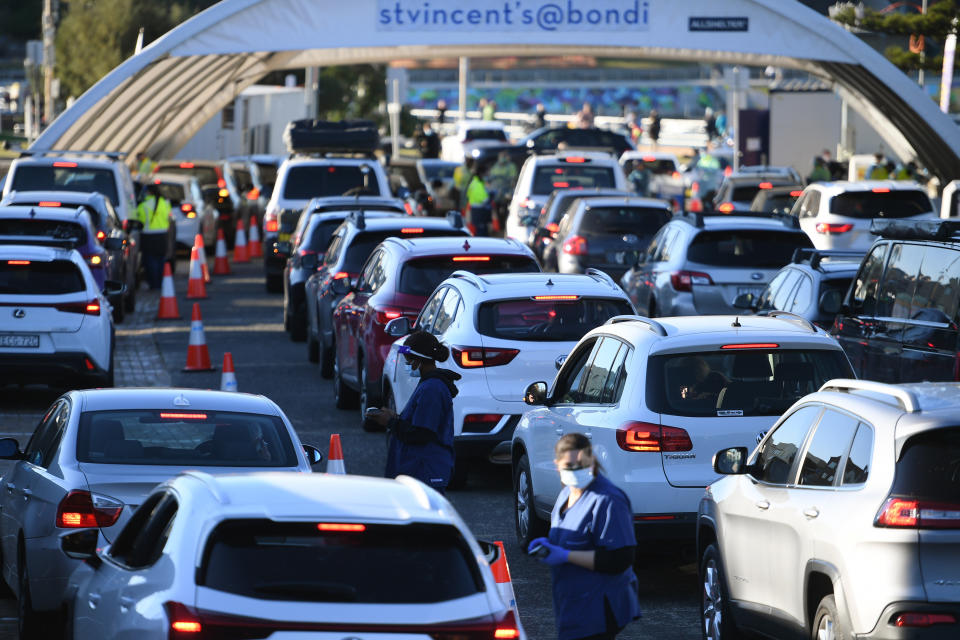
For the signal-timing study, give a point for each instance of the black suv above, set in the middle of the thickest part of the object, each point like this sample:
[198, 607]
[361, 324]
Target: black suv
[558, 205]
[899, 322]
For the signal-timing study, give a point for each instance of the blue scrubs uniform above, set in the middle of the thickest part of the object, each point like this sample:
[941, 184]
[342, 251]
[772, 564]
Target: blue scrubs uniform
[602, 517]
[430, 407]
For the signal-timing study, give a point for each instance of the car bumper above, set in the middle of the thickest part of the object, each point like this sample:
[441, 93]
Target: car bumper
[887, 631]
[48, 367]
[273, 262]
[475, 445]
[49, 570]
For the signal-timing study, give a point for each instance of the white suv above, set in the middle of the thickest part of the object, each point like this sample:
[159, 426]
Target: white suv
[55, 324]
[658, 398]
[503, 331]
[843, 523]
[837, 215]
[540, 175]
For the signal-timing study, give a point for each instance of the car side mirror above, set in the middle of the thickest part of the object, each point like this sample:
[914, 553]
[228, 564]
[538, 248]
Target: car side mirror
[82, 545]
[10, 449]
[731, 461]
[536, 394]
[284, 249]
[309, 261]
[491, 551]
[113, 243]
[132, 225]
[831, 302]
[341, 286]
[314, 455]
[398, 327]
[114, 288]
[744, 301]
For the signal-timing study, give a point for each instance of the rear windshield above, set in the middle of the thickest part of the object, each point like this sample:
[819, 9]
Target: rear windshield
[929, 466]
[172, 192]
[54, 229]
[744, 194]
[243, 179]
[640, 221]
[546, 320]
[268, 174]
[883, 204]
[420, 277]
[739, 382]
[184, 438]
[40, 278]
[319, 234]
[378, 564]
[485, 134]
[206, 176]
[317, 181]
[658, 167]
[82, 179]
[437, 171]
[746, 248]
[363, 244]
[782, 202]
[570, 176]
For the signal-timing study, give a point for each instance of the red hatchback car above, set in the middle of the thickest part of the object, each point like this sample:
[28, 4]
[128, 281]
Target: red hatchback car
[396, 281]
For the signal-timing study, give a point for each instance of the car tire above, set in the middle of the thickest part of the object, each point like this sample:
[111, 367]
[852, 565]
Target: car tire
[274, 283]
[326, 361]
[28, 620]
[313, 347]
[826, 622]
[344, 397]
[528, 524]
[716, 621]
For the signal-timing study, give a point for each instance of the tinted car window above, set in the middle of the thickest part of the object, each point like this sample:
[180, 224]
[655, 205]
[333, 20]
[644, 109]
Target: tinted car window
[783, 292]
[899, 281]
[53, 229]
[641, 221]
[801, 296]
[827, 448]
[857, 468]
[315, 181]
[863, 298]
[202, 438]
[268, 174]
[485, 134]
[206, 176]
[363, 245]
[775, 458]
[570, 176]
[49, 178]
[421, 276]
[40, 278]
[746, 248]
[429, 311]
[938, 286]
[381, 564]
[658, 167]
[880, 204]
[602, 364]
[744, 193]
[172, 192]
[568, 388]
[546, 320]
[318, 234]
[929, 466]
[748, 382]
[447, 312]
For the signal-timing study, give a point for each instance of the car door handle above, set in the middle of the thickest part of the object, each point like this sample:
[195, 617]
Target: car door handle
[811, 513]
[763, 504]
[94, 600]
[26, 492]
[126, 602]
[11, 486]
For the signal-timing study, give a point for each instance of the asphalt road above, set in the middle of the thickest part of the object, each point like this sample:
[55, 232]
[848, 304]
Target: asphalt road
[240, 317]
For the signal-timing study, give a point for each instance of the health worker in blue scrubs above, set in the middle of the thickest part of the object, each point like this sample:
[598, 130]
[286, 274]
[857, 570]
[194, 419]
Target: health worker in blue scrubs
[421, 437]
[590, 548]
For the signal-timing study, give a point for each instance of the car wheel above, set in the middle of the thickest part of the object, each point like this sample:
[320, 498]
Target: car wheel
[313, 347]
[344, 396]
[28, 621]
[529, 525]
[326, 361]
[826, 623]
[716, 623]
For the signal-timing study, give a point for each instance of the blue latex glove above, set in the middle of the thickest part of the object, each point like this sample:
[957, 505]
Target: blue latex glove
[556, 555]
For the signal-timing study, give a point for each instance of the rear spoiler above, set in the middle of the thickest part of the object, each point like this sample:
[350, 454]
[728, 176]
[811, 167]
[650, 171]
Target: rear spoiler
[44, 241]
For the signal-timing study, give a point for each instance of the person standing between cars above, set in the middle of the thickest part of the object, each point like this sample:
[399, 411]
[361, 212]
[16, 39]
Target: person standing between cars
[877, 170]
[441, 111]
[428, 142]
[144, 166]
[653, 130]
[820, 171]
[503, 179]
[154, 213]
[540, 116]
[421, 437]
[640, 179]
[590, 548]
[461, 180]
[479, 211]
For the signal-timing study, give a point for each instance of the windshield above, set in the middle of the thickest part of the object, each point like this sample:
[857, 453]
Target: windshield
[184, 439]
[881, 204]
[546, 320]
[421, 276]
[639, 221]
[746, 248]
[317, 181]
[739, 382]
[23, 277]
[658, 167]
[570, 176]
[373, 563]
[50, 178]
[485, 134]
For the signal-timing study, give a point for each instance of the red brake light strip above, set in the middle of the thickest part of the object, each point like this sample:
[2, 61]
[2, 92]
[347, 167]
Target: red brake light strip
[182, 416]
[752, 345]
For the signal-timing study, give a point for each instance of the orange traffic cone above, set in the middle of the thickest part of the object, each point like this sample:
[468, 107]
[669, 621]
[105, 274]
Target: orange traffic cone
[198, 243]
[196, 287]
[335, 460]
[168, 309]
[228, 380]
[501, 575]
[254, 248]
[240, 245]
[198, 357]
[221, 266]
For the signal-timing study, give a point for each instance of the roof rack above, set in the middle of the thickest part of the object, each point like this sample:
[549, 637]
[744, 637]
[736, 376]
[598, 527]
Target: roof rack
[113, 155]
[816, 256]
[651, 324]
[359, 218]
[916, 229]
[602, 277]
[786, 315]
[472, 278]
[908, 400]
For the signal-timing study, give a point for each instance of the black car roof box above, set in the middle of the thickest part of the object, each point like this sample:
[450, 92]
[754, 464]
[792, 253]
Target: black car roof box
[323, 136]
[916, 229]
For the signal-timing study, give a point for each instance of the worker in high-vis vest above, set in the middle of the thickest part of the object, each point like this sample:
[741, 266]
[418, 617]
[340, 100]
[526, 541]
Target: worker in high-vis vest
[154, 212]
[479, 211]
[145, 166]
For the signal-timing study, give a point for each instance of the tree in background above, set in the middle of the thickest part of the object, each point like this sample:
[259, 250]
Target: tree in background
[355, 91]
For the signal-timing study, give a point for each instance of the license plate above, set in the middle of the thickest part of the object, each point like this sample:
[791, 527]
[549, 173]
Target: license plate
[19, 341]
[283, 237]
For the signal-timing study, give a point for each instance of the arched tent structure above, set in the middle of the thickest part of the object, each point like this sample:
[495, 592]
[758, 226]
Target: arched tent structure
[156, 100]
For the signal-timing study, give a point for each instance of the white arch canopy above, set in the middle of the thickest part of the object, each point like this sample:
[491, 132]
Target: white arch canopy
[156, 100]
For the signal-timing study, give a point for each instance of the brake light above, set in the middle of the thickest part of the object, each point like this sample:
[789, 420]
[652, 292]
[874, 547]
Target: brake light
[306, 252]
[186, 165]
[65, 165]
[923, 619]
[675, 175]
[880, 190]
[91, 308]
[649, 158]
[253, 194]
[412, 230]
[574, 159]
[48, 203]
[684, 280]
[575, 246]
[18, 262]
[179, 415]
[471, 258]
[726, 207]
[385, 315]
[644, 436]
[408, 208]
[825, 227]
[221, 183]
[342, 527]
[101, 235]
[552, 227]
[752, 345]
[765, 185]
[475, 357]
[270, 225]
[796, 194]
[82, 509]
[561, 185]
[186, 207]
[340, 275]
[728, 171]
[555, 298]
[918, 514]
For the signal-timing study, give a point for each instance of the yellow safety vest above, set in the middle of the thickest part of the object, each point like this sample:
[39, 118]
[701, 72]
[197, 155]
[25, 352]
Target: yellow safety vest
[477, 193]
[154, 216]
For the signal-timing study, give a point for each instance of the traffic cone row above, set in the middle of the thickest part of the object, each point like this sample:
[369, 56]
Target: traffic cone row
[228, 380]
[240, 245]
[221, 266]
[198, 243]
[198, 357]
[196, 287]
[254, 248]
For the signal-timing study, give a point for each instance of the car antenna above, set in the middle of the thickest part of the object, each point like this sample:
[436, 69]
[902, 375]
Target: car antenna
[549, 282]
[466, 245]
[736, 322]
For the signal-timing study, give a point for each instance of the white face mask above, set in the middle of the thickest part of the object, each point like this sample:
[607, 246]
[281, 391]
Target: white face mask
[413, 370]
[576, 478]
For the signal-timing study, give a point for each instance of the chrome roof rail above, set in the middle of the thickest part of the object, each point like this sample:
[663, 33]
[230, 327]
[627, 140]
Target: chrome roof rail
[787, 315]
[908, 399]
[472, 278]
[651, 324]
[602, 277]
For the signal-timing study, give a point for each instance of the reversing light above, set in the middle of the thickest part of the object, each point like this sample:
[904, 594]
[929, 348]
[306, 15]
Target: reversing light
[168, 415]
[65, 165]
[49, 203]
[555, 298]
[752, 345]
[341, 526]
[471, 258]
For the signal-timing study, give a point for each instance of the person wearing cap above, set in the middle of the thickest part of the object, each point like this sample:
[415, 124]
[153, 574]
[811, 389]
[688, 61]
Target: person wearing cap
[421, 437]
[590, 548]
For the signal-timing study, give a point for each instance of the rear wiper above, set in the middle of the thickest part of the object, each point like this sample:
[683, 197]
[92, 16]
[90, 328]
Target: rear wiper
[322, 591]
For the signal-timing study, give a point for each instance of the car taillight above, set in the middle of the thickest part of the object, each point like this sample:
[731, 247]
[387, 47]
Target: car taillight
[94, 259]
[474, 357]
[796, 194]
[684, 280]
[824, 227]
[386, 314]
[486, 421]
[91, 308]
[675, 175]
[408, 208]
[552, 227]
[270, 223]
[725, 207]
[921, 619]
[918, 514]
[340, 275]
[728, 171]
[575, 246]
[187, 209]
[101, 235]
[765, 185]
[644, 436]
[307, 252]
[82, 509]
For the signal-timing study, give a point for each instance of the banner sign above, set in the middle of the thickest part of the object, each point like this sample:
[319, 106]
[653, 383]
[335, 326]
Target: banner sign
[720, 23]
